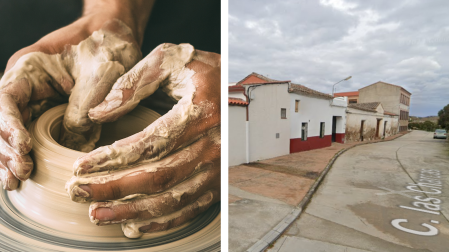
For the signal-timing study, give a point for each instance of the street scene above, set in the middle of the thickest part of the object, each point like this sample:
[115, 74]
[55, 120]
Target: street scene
[389, 196]
[338, 122]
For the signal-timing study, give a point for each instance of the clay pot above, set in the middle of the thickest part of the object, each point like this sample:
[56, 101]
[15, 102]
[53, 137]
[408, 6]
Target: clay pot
[43, 197]
[40, 216]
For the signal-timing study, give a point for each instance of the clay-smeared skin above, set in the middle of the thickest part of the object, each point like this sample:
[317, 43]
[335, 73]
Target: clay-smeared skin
[96, 63]
[170, 172]
[37, 81]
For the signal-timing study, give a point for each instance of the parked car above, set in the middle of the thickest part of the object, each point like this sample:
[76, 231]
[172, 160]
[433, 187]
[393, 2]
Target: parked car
[440, 133]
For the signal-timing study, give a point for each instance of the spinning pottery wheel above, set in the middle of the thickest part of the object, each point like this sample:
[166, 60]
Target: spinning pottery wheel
[39, 216]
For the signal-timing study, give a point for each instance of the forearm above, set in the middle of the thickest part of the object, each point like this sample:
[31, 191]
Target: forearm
[134, 13]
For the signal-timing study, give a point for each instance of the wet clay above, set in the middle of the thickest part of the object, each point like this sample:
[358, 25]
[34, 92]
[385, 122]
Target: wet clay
[50, 221]
[43, 197]
[175, 79]
[85, 71]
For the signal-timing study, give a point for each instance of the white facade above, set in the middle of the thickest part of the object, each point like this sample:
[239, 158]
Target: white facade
[237, 135]
[313, 110]
[269, 134]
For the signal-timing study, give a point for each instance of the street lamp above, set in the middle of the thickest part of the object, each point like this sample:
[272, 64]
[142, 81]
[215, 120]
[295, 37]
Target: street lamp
[333, 87]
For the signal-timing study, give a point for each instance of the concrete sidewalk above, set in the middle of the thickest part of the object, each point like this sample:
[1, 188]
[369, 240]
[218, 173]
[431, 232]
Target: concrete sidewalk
[265, 197]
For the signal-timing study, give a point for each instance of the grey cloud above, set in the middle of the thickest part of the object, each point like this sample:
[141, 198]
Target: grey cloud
[317, 43]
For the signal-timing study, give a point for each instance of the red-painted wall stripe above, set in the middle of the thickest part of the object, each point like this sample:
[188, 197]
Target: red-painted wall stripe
[297, 145]
[340, 137]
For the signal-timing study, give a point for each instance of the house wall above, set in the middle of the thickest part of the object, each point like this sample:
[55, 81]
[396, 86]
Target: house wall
[265, 121]
[354, 119]
[392, 125]
[313, 110]
[353, 98]
[403, 107]
[237, 95]
[237, 135]
[388, 95]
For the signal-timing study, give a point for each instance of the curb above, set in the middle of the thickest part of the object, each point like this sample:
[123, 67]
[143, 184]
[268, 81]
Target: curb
[279, 229]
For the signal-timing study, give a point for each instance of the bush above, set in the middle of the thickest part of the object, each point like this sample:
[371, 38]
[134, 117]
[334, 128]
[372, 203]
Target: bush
[427, 126]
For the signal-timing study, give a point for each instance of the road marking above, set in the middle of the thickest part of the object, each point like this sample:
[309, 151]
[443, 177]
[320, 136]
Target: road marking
[394, 192]
[430, 179]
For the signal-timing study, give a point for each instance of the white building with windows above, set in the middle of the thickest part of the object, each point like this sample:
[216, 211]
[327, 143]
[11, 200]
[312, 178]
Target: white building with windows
[281, 118]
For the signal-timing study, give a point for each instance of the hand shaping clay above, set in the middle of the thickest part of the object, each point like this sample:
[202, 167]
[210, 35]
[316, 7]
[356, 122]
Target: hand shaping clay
[43, 200]
[43, 197]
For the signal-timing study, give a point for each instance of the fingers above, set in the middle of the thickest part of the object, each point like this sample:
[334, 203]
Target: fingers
[140, 82]
[128, 151]
[175, 219]
[196, 112]
[175, 129]
[9, 181]
[20, 166]
[11, 125]
[144, 207]
[146, 178]
[78, 131]
[100, 60]
[35, 76]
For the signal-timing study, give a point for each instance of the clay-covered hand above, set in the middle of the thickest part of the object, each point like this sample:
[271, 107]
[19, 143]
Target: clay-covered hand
[170, 172]
[45, 74]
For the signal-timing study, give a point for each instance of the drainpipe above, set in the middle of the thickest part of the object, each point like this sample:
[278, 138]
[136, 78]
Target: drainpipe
[247, 126]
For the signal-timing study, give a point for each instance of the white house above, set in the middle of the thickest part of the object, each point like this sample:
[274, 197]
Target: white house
[282, 118]
[368, 121]
[237, 125]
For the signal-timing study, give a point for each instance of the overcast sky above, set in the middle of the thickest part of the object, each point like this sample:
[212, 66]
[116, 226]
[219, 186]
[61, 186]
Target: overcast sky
[317, 43]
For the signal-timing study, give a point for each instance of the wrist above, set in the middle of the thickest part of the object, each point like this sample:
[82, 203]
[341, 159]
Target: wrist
[134, 13]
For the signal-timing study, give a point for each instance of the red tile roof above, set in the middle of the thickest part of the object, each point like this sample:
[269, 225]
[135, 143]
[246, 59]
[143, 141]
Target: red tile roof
[259, 76]
[300, 89]
[294, 88]
[237, 102]
[261, 83]
[352, 93]
[236, 88]
[390, 85]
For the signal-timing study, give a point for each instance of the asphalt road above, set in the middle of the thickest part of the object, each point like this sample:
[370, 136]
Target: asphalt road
[389, 196]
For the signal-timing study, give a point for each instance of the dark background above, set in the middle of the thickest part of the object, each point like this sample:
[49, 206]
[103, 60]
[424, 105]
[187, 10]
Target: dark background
[23, 22]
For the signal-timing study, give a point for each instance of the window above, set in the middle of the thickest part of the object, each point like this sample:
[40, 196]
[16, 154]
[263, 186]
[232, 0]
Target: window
[404, 99]
[283, 113]
[277, 135]
[322, 128]
[352, 101]
[403, 115]
[296, 105]
[304, 131]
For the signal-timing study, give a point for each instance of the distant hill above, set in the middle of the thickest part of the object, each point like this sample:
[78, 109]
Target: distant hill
[418, 119]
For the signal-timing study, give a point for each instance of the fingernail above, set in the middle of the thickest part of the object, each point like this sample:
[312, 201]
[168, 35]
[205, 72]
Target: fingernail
[104, 214]
[83, 191]
[19, 168]
[21, 142]
[11, 184]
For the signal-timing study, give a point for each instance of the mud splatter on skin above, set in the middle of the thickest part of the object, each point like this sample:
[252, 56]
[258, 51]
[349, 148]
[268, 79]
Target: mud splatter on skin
[172, 170]
[164, 67]
[136, 229]
[85, 71]
[170, 68]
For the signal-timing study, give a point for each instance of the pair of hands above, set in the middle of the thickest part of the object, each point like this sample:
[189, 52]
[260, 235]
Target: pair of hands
[166, 174]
